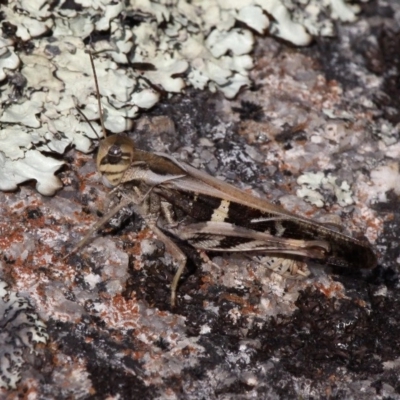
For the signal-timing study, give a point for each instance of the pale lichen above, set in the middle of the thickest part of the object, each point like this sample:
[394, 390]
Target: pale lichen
[171, 44]
[315, 187]
[21, 329]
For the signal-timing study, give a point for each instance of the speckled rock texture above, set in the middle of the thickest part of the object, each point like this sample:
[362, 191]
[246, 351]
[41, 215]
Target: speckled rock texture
[317, 132]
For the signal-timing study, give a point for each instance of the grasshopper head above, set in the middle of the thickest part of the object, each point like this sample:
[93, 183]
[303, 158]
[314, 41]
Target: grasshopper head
[114, 157]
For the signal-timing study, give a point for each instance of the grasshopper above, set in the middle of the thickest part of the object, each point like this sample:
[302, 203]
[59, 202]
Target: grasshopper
[176, 199]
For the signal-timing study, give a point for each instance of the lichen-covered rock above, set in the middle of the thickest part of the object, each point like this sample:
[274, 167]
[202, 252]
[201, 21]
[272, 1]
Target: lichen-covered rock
[169, 45]
[314, 184]
[21, 329]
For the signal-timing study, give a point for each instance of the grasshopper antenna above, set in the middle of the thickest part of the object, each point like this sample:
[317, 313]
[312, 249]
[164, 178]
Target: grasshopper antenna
[98, 95]
[101, 115]
[86, 119]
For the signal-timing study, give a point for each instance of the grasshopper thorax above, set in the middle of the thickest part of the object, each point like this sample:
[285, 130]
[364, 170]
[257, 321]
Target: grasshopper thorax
[114, 157]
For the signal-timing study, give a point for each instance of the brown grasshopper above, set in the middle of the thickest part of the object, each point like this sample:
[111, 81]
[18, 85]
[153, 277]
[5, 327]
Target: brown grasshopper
[175, 198]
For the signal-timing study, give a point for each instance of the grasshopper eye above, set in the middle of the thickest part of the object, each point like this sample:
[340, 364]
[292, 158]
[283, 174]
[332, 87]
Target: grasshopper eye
[114, 158]
[114, 154]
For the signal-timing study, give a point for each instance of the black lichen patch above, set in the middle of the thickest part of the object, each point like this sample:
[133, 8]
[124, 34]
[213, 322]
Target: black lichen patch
[97, 36]
[383, 55]
[71, 5]
[194, 114]
[336, 64]
[325, 334]
[235, 160]
[9, 30]
[124, 220]
[375, 50]
[110, 375]
[152, 283]
[249, 111]
[34, 213]
[196, 117]
[162, 344]
[388, 241]
[289, 134]
[226, 320]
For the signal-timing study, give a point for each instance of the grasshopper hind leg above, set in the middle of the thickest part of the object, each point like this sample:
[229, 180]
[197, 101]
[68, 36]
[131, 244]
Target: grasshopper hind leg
[176, 254]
